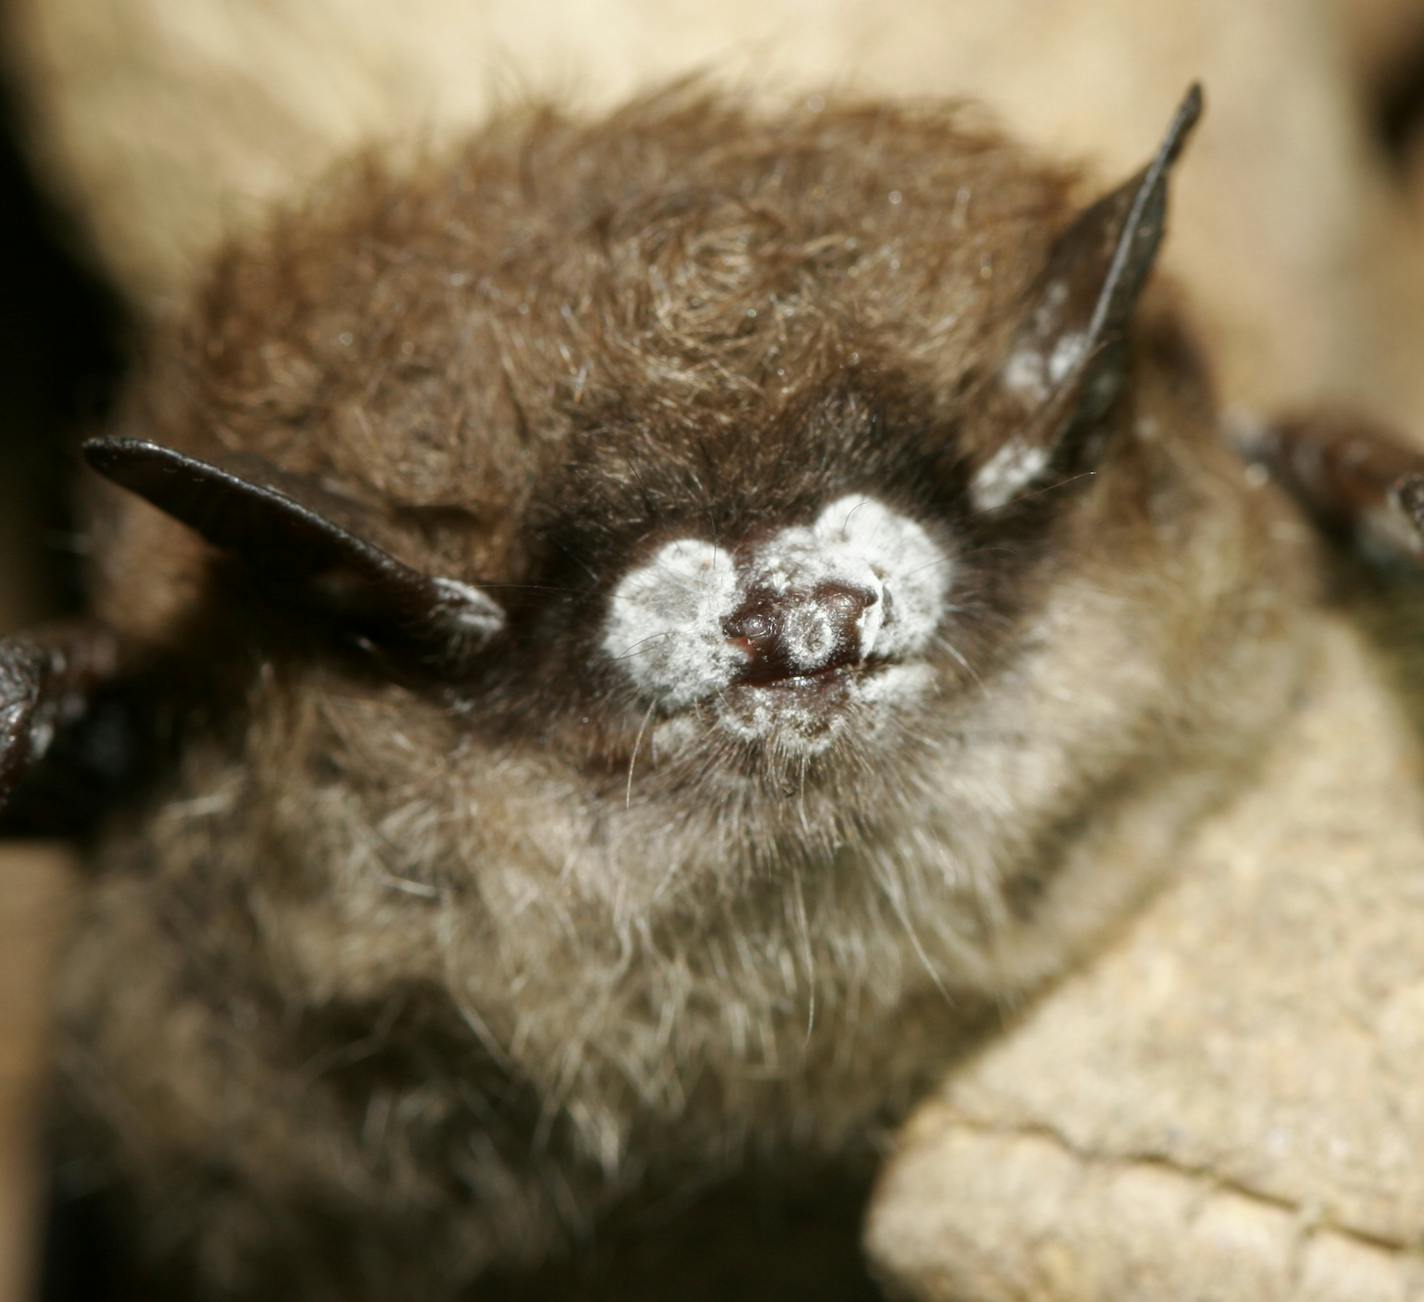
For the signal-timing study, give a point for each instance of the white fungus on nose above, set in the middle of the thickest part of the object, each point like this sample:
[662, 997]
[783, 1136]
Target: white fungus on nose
[665, 630]
[664, 625]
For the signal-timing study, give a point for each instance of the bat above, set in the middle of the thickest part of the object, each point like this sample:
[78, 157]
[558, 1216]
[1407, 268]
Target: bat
[645, 629]
[1357, 480]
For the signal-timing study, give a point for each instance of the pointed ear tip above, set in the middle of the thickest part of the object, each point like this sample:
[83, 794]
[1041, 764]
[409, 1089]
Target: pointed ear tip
[1184, 121]
[1193, 105]
[103, 455]
[104, 451]
[111, 457]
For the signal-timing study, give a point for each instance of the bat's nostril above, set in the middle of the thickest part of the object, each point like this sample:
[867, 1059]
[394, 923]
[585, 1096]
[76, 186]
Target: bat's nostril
[755, 620]
[792, 633]
[844, 600]
[757, 627]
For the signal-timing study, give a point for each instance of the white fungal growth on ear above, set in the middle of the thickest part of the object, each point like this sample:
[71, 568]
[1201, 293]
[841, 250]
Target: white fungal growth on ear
[664, 626]
[1007, 473]
[468, 610]
[887, 581]
[1026, 374]
[1067, 353]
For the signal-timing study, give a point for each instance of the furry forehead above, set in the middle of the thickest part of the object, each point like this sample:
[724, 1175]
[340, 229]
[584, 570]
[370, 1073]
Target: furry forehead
[683, 255]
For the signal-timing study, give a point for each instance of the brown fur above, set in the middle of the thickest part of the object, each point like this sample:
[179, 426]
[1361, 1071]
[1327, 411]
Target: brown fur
[393, 980]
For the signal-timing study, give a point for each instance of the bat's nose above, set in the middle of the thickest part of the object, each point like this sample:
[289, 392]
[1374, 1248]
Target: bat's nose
[792, 634]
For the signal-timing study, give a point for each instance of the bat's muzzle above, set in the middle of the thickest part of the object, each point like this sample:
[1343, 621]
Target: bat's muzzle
[797, 634]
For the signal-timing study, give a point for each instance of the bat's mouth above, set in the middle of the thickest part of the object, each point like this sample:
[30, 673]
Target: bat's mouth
[823, 681]
[807, 713]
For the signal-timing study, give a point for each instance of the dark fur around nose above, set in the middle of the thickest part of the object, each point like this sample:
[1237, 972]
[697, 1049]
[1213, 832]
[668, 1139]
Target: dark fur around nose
[798, 633]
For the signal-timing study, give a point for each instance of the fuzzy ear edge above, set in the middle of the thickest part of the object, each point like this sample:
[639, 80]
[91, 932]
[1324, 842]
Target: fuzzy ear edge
[1065, 363]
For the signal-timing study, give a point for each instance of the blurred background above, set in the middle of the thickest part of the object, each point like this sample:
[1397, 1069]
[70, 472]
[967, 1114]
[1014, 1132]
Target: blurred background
[135, 133]
[60, 358]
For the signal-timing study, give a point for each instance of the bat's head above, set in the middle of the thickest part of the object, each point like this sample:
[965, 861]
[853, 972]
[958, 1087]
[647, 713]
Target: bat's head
[729, 433]
[671, 578]
[691, 487]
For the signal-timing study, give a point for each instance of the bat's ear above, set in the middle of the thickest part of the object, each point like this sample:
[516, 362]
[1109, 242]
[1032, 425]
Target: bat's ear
[283, 529]
[48, 681]
[1065, 362]
[54, 680]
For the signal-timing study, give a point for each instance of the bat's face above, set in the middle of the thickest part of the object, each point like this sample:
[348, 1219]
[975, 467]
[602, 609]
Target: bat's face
[699, 493]
[682, 583]
[737, 446]
[762, 609]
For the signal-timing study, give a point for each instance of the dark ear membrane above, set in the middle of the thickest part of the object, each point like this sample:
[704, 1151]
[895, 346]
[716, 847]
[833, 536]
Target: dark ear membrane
[47, 682]
[263, 516]
[1065, 362]
[1355, 479]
